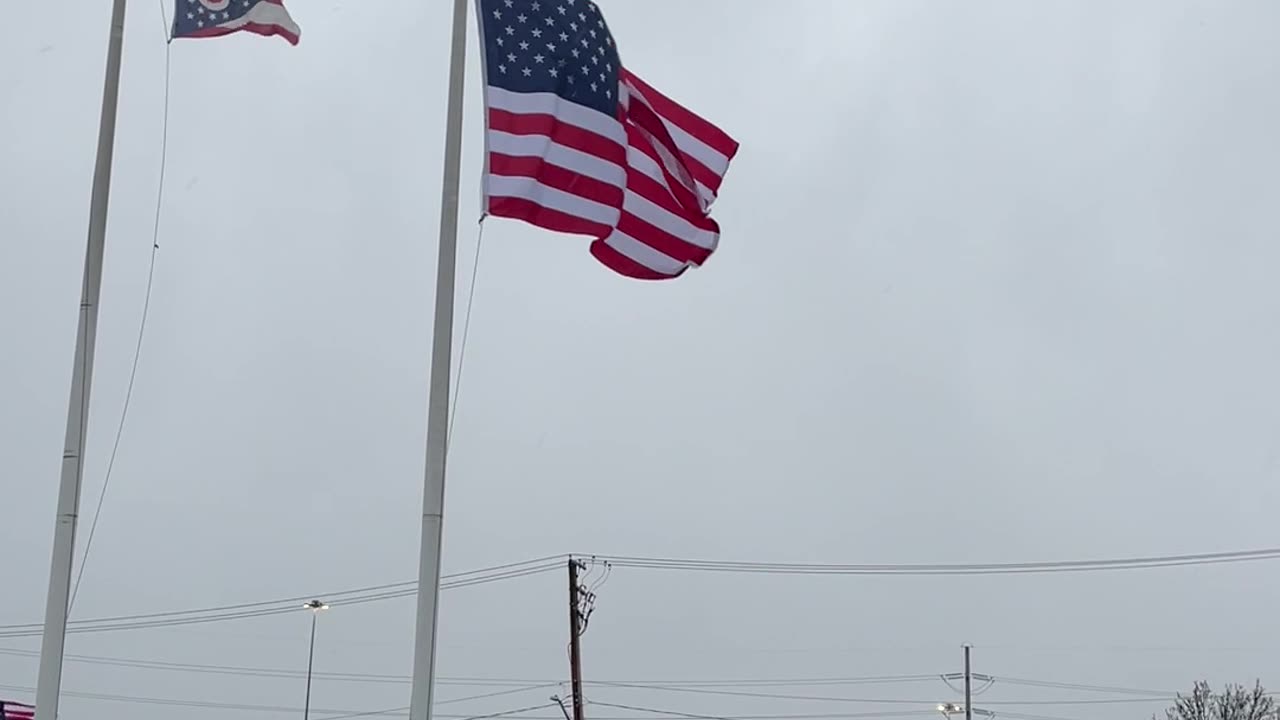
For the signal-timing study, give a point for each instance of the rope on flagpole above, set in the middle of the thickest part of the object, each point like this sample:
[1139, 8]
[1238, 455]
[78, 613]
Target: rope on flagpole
[146, 307]
[466, 331]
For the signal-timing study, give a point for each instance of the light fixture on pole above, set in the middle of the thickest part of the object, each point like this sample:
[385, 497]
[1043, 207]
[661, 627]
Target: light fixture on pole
[949, 709]
[316, 607]
[968, 676]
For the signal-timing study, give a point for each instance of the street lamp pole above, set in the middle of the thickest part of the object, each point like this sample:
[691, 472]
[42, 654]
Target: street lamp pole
[949, 709]
[315, 606]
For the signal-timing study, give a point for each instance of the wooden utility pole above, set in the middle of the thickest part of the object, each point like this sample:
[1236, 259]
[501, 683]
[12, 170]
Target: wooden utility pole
[968, 685]
[575, 631]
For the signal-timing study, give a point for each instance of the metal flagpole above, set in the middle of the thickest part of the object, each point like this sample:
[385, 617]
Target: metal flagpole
[424, 652]
[49, 681]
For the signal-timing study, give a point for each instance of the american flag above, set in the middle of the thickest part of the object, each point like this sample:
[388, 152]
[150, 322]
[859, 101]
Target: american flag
[10, 710]
[578, 144]
[211, 18]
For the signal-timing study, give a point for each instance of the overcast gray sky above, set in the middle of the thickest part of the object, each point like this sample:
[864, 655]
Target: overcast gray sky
[995, 284]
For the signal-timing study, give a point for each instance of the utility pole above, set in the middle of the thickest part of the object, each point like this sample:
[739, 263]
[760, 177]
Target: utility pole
[575, 631]
[968, 676]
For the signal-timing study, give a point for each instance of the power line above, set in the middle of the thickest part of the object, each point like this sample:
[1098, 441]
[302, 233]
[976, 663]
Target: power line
[1094, 701]
[140, 700]
[276, 672]
[1024, 716]
[279, 606]
[374, 678]
[498, 693]
[452, 580]
[1086, 688]
[1093, 565]
[530, 567]
[874, 701]
[405, 711]
[776, 682]
[390, 711]
[344, 714]
[786, 716]
[249, 707]
[695, 686]
[771, 696]
[513, 713]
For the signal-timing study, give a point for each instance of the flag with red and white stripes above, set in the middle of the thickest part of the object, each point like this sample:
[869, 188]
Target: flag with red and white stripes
[10, 710]
[578, 144]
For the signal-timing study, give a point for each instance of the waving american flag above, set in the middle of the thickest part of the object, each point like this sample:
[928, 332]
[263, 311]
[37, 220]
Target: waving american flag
[579, 144]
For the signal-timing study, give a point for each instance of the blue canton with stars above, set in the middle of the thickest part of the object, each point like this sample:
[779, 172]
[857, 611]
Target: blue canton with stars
[557, 46]
[193, 16]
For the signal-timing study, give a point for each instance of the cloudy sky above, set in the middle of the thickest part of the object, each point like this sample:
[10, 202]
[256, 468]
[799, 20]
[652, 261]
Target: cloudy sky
[996, 284]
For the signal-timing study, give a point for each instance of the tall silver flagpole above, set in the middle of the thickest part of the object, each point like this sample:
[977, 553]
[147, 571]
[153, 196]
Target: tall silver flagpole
[424, 652]
[49, 681]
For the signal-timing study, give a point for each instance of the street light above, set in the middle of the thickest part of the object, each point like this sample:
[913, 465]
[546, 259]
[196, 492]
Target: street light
[949, 709]
[316, 607]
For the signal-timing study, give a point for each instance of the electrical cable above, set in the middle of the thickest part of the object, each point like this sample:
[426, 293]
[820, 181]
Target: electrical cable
[279, 606]
[871, 701]
[1093, 565]
[530, 567]
[405, 711]
[770, 696]
[1086, 688]
[177, 702]
[466, 681]
[786, 716]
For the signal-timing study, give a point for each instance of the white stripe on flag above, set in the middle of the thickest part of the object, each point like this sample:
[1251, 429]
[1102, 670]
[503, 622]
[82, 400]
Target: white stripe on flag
[266, 13]
[647, 165]
[663, 219]
[692, 146]
[551, 104]
[540, 146]
[525, 188]
[643, 254]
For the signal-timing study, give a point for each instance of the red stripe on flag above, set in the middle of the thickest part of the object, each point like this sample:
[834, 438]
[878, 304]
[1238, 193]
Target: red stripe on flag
[255, 28]
[556, 177]
[648, 119]
[535, 214]
[624, 265]
[661, 240]
[687, 120]
[649, 134]
[702, 173]
[561, 133]
[681, 195]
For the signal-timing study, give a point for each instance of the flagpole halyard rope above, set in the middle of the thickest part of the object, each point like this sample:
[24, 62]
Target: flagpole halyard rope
[466, 331]
[142, 323]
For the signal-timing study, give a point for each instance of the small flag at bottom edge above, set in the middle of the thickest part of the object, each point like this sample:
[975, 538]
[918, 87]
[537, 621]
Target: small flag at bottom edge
[10, 710]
